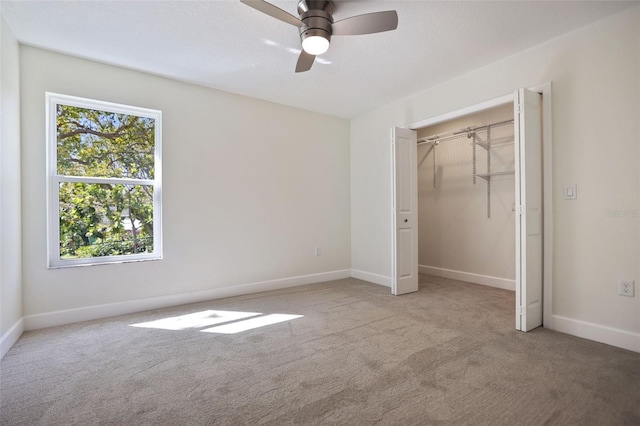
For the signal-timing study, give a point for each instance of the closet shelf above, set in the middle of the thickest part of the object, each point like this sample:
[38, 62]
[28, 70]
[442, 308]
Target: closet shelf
[488, 175]
[496, 143]
[488, 144]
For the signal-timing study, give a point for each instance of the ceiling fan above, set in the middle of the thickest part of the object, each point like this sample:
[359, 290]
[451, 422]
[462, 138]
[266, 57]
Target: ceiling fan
[316, 25]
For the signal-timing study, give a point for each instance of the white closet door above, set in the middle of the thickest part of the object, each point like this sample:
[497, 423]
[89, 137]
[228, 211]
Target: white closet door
[405, 211]
[528, 155]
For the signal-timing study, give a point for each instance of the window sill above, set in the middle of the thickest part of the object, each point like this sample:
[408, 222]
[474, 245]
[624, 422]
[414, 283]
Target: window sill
[76, 263]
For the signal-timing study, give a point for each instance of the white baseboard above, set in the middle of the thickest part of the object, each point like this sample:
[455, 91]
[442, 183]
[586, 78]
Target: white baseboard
[599, 333]
[370, 277]
[12, 335]
[503, 283]
[51, 319]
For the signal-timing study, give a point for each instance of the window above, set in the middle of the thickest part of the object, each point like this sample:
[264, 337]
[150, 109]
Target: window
[104, 182]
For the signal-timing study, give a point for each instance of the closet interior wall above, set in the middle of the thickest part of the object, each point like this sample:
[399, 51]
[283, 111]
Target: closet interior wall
[462, 229]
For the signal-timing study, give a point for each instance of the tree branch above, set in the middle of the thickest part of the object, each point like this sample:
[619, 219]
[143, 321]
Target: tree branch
[84, 130]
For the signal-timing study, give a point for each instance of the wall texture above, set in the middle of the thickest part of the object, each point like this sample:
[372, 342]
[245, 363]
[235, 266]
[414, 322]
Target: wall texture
[10, 245]
[250, 188]
[455, 233]
[596, 132]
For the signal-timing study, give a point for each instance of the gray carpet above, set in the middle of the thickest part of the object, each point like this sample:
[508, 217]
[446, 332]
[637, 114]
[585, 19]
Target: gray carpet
[358, 356]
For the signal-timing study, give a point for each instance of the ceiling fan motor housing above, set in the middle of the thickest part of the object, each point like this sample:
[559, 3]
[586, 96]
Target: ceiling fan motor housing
[317, 19]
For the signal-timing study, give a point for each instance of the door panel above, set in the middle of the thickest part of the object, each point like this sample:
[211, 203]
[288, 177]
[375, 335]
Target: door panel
[404, 244]
[528, 153]
[405, 205]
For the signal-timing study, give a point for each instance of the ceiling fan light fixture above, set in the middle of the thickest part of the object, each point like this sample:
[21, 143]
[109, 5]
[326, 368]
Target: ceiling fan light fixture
[316, 25]
[315, 45]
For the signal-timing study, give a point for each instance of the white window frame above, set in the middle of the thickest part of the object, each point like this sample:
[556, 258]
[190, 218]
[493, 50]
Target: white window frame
[54, 180]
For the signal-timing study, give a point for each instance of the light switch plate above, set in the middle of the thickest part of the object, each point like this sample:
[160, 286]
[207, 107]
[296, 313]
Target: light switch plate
[571, 192]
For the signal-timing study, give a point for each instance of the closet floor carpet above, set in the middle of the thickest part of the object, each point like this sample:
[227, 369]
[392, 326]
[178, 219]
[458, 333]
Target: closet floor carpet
[447, 354]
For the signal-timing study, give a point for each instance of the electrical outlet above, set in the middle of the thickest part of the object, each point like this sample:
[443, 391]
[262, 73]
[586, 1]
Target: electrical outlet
[626, 288]
[318, 251]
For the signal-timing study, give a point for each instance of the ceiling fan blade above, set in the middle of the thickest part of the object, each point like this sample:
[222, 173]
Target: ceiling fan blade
[305, 61]
[273, 11]
[369, 23]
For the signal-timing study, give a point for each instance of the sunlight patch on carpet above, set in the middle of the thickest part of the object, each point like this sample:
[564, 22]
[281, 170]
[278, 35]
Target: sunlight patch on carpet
[231, 321]
[196, 320]
[250, 324]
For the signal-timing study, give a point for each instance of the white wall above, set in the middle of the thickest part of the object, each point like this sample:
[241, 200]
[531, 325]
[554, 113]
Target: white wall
[10, 245]
[455, 236]
[250, 188]
[596, 132]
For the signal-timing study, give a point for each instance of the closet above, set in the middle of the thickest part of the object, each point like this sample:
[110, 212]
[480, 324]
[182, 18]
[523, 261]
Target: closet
[466, 198]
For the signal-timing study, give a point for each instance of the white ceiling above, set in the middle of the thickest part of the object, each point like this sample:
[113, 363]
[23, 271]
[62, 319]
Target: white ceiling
[227, 45]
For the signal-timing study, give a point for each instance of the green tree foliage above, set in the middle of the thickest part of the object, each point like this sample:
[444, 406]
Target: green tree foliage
[104, 219]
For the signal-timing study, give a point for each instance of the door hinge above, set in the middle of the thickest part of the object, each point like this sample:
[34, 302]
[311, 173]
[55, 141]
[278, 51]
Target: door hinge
[520, 210]
[519, 108]
[520, 310]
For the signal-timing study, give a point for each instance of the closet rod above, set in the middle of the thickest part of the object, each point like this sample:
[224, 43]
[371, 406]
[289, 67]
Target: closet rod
[457, 133]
